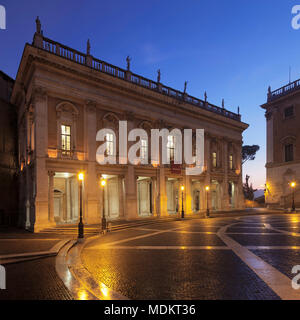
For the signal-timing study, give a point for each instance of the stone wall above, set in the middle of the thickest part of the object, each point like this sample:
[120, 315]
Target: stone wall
[8, 153]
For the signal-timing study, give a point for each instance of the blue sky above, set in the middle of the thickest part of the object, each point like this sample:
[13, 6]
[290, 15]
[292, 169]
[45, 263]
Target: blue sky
[233, 49]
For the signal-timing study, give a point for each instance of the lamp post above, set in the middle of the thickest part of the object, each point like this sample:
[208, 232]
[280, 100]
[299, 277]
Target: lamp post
[80, 224]
[182, 209]
[207, 205]
[293, 185]
[103, 184]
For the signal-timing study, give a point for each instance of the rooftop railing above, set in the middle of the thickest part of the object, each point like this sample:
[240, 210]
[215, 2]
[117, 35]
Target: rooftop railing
[99, 65]
[293, 86]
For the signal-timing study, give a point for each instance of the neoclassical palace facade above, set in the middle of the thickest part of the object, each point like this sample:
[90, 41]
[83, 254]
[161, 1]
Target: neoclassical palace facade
[64, 97]
[283, 146]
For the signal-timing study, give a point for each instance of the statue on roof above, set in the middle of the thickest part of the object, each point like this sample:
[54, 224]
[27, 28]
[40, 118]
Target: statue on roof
[238, 109]
[223, 103]
[88, 47]
[185, 85]
[38, 25]
[269, 90]
[205, 96]
[128, 60]
[158, 76]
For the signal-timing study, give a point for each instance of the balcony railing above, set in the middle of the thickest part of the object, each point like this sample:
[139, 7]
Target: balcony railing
[293, 86]
[81, 58]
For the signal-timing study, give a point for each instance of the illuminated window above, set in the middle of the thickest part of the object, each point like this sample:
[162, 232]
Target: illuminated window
[231, 162]
[289, 152]
[214, 159]
[65, 139]
[171, 147]
[109, 144]
[144, 149]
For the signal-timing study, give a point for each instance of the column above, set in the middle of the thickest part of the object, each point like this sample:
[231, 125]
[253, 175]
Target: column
[240, 203]
[51, 175]
[41, 153]
[225, 195]
[207, 180]
[121, 196]
[131, 193]
[93, 216]
[188, 195]
[162, 193]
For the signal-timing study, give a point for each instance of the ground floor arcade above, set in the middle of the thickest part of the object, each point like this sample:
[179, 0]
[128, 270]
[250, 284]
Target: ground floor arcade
[130, 192]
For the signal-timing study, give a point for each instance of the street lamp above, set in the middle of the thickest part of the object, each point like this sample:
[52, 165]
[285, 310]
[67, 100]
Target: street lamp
[80, 224]
[182, 210]
[103, 184]
[293, 185]
[207, 206]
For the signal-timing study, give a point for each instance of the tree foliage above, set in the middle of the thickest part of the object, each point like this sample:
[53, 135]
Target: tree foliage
[249, 152]
[248, 189]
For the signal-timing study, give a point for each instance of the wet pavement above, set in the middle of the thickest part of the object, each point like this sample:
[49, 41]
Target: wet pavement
[224, 258]
[34, 280]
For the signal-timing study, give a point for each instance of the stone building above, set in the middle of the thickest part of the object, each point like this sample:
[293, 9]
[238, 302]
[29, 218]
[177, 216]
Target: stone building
[8, 153]
[66, 96]
[283, 145]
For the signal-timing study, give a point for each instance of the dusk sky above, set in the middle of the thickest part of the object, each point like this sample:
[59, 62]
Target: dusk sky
[232, 49]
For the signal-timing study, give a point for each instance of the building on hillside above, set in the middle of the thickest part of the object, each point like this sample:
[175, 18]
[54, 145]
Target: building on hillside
[283, 146]
[67, 96]
[8, 153]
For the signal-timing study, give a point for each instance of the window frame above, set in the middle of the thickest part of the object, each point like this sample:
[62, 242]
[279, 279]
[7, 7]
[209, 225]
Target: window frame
[109, 144]
[144, 149]
[65, 139]
[289, 156]
[171, 147]
[214, 162]
[231, 162]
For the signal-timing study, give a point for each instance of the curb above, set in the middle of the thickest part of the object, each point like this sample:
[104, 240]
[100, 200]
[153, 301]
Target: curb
[21, 257]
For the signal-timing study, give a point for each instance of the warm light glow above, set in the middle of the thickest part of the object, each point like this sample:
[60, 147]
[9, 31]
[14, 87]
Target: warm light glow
[207, 188]
[81, 176]
[103, 182]
[52, 153]
[182, 188]
[293, 184]
[82, 295]
[104, 289]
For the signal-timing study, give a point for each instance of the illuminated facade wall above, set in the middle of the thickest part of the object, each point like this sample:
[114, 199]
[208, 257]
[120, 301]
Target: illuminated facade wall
[283, 152]
[69, 97]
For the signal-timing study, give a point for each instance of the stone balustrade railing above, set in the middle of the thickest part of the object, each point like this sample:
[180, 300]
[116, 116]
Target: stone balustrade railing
[84, 59]
[293, 86]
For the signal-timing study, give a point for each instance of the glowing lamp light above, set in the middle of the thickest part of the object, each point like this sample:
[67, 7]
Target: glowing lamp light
[293, 184]
[103, 182]
[182, 188]
[80, 176]
[207, 188]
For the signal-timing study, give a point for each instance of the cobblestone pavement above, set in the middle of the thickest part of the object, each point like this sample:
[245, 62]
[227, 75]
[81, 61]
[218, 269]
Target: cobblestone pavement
[34, 280]
[224, 258]
[31, 280]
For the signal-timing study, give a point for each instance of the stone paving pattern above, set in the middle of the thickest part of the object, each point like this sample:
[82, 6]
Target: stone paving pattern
[160, 272]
